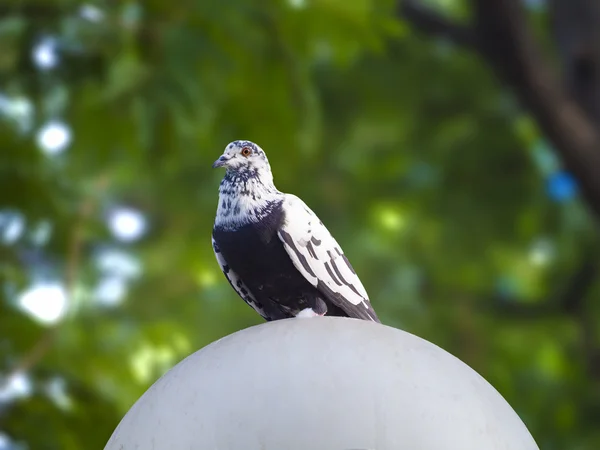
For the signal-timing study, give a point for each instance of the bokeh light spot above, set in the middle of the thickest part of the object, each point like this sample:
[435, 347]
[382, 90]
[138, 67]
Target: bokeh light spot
[110, 290]
[91, 13]
[127, 224]
[391, 219]
[5, 442]
[45, 302]
[541, 252]
[19, 110]
[44, 54]
[207, 278]
[12, 225]
[561, 186]
[117, 262]
[40, 234]
[17, 385]
[150, 359]
[56, 390]
[297, 4]
[54, 137]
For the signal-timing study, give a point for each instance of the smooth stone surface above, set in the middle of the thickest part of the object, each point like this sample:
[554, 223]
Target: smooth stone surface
[321, 383]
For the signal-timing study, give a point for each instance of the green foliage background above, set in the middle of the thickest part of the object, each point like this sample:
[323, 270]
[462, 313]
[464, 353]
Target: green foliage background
[424, 168]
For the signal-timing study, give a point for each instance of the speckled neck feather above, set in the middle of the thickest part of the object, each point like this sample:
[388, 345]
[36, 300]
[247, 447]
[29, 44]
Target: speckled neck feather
[246, 196]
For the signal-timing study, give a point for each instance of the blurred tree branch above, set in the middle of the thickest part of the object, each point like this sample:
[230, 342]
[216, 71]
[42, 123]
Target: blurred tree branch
[504, 40]
[434, 24]
[576, 27]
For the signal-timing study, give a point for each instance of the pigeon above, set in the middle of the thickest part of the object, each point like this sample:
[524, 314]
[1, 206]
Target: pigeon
[273, 249]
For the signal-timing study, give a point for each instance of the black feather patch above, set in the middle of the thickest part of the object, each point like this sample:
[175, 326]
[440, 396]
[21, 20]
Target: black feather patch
[311, 250]
[361, 311]
[333, 277]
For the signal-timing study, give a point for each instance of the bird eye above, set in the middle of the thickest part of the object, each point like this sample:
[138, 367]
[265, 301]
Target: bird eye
[246, 151]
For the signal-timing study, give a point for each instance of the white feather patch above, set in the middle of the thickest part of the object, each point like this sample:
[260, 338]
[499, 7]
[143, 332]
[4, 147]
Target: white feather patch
[236, 209]
[316, 254]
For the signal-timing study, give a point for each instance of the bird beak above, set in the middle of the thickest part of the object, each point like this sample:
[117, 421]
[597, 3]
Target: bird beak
[221, 162]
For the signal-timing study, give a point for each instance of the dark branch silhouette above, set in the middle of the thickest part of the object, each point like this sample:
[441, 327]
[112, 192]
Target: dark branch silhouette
[568, 113]
[427, 20]
[575, 25]
[501, 35]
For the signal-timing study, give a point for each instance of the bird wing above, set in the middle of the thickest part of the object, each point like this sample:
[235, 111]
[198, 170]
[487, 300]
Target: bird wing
[320, 259]
[236, 282]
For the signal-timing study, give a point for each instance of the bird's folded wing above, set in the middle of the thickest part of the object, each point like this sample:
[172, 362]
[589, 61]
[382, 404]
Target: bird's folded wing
[320, 259]
[236, 282]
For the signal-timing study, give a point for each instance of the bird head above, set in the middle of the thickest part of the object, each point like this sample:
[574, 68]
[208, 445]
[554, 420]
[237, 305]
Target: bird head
[244, 157]
[246, 192]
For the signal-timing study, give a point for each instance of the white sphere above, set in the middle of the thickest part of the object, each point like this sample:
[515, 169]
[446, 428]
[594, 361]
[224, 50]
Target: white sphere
[321, 384]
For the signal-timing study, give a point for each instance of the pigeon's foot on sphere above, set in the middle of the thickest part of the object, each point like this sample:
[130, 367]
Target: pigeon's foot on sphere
[308, 312]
